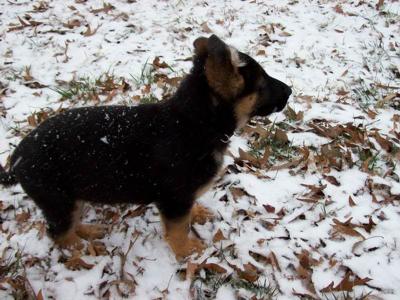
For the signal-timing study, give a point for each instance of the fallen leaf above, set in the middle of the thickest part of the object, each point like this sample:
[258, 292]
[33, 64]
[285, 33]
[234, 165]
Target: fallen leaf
[213, 267]
[205, 28]
[22, 217]
[346, 284]
[331, 180]
[218, 236]
[191, 270]
[339, 9]
[158, 64]
[379, 4]
[250, 272]
[274, 261]
[269, 208]
[76, 263]
[351, 202]
[89, 31]
[368, 226]
[39, 295]
[346, 228]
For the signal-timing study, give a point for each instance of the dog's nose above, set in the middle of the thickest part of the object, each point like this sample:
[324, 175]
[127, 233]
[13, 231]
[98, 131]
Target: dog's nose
[287, 91]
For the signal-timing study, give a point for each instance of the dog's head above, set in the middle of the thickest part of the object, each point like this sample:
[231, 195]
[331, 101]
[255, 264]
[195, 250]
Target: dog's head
[238, 79]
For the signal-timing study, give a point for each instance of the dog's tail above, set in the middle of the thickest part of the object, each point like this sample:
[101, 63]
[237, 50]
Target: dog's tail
[7, 178]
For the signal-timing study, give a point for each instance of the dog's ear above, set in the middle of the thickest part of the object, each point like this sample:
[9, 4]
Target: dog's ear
[200, 46]
[221, 67]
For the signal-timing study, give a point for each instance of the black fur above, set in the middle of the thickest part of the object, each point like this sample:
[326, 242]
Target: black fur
[161, 153]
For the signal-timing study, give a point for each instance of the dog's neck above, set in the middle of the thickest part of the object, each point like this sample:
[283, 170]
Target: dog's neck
[204, 109]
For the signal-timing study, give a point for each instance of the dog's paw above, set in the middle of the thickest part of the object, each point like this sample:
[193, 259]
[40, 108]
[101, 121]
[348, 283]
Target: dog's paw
[201, 215]
[193, 245]
[70, 241]
[91, 231]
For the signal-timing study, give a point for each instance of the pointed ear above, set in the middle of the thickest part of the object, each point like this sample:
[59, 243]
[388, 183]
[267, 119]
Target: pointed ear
[221, 69]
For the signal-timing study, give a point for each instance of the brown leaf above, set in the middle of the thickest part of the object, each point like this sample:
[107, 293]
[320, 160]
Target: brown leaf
[331, 180]
[351, 202]
[292, 115]
[27, 74]
[346, 284]
[213, 267]
[346, 228]
[72, 23]
[191, 270]
[379, 4]
[250, 272]
[269, 208]
[218, 236]
[368, 226]
[295, 162]
[106, 8]
[89, 31]
[237, 192]
[76, 263]
[205, 28]
[32, 121]
[285, 34]
[274, 261]
[339, 9]
[261, 52]
[281, 136]
[372, 114]
[22, 217]
[260, 258]
[243, 155]
[132, 213]
[158, 64]
[384, 143]
[39, 295]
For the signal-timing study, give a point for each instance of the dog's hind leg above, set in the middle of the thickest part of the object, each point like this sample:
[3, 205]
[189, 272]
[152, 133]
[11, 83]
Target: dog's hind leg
[201, 214]
[62, 215]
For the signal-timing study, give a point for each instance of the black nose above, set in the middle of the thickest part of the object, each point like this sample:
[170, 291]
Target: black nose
[287, 91]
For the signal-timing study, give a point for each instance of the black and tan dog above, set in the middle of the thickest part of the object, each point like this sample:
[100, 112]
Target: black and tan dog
[164, 153]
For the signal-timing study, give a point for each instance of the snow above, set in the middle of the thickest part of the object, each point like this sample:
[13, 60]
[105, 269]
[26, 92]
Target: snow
[330, 52]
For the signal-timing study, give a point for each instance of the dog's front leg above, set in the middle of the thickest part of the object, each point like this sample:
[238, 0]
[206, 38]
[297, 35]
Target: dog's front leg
[176, 232]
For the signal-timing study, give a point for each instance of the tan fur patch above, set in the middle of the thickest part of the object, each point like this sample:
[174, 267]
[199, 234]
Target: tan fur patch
[91, 231]
[224, 79]
[244, 108]
[70, 239]
[200, 214]
[177, 236]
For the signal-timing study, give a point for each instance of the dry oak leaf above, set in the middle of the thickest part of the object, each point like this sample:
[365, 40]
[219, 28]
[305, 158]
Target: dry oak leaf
[250, 272]
[346, 228]
[331, 180]
[77, 263]
[218, 236]
[89, 31]
[351, 201]
[158, 64]
[346, 284]
[213, 267]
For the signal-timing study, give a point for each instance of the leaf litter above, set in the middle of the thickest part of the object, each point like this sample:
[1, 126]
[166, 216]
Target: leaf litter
[308, 204]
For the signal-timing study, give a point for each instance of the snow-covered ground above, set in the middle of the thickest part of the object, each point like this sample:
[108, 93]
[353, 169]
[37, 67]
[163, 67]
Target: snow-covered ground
[308, 208]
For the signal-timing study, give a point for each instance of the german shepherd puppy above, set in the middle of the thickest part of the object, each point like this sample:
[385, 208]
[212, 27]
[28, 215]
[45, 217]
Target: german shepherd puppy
[164, 153]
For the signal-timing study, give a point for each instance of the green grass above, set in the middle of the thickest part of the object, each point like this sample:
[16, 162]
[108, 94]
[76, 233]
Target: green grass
[280, 150]
[207, 288]
[146, 76]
